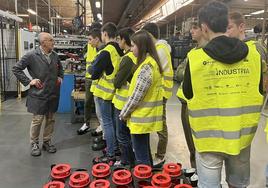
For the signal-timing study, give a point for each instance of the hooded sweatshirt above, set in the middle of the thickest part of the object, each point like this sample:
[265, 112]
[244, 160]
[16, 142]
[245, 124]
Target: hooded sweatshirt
[223, 49]
[162, 55]
[103, 62]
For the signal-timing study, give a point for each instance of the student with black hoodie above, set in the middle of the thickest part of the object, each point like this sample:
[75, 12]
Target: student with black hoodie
[104, 69]
[222, 85]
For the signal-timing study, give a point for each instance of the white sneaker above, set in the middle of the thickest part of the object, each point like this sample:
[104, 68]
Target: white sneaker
[158, 163]
[117, 163]
[99, 129]
[83, 129]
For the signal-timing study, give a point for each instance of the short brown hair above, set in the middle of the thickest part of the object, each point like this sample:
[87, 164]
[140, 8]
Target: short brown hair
[237, 17]
[194, 22]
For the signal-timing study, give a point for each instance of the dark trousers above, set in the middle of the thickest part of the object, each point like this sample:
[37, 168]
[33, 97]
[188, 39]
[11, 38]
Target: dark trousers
[188, 132]
[89, 100]
[141, 146]
[162, 135]
[124, 140]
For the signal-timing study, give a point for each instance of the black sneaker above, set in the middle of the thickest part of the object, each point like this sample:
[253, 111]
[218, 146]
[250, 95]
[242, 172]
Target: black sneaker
[35, 150]
[110, 160]
[99, 146]
[98, 140]
[47, 146]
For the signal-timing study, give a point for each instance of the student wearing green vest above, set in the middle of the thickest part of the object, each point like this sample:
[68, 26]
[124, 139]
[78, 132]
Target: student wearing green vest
[104, 69]
[223, 88]
[122, 80]
[236, 29]
[94, 37]
[163, 51]
[197, 36]
[144, 109]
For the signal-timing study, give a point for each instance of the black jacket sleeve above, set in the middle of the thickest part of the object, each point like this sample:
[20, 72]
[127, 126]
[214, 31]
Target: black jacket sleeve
[19, 67]
[124, 73]
[101, 63]
[187, 83]
[60, 69]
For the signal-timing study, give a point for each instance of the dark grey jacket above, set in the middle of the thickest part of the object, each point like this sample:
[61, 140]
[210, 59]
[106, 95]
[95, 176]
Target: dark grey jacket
[44, 100]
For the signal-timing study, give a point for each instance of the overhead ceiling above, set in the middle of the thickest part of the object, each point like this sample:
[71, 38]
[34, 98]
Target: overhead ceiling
[127, 12]
[122, 12]
[63, 8]
[191, 10]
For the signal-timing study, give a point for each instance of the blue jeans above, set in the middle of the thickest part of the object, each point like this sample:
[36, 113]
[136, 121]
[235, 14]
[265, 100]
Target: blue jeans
[98, 114]
[106, 108]
[141, 146]
[237, 168]
[124, 140]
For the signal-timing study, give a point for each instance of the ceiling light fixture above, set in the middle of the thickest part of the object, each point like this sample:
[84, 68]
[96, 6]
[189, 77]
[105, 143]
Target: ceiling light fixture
[31, 11]
[23, 15]
[257, 12]
[58, 16]
[97, 4]
[99, 16]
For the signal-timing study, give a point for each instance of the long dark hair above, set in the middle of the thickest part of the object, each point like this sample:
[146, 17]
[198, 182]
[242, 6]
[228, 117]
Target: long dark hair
[145, 44]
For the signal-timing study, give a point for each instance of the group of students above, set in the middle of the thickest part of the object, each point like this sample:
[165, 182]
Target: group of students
[224, 78]
[130, 75]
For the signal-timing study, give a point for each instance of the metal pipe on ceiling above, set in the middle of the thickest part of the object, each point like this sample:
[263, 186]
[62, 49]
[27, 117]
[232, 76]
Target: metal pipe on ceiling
[36, 16]
[264, 21]
[123, 20]
[102, 9]
[49, 17]
[16, 7]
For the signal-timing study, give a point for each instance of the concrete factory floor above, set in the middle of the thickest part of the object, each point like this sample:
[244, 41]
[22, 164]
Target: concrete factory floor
[20, 169]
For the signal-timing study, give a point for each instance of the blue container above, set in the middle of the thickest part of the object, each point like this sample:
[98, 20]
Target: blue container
[66, 89]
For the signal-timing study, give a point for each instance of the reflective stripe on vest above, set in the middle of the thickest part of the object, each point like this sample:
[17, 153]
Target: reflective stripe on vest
[167, 73]
[91, 54]
[93, 85]
[148, 116]
[146, 119]
[225, 134]
[225, 108]
[121, 95]
[105, 87]
[225, 111]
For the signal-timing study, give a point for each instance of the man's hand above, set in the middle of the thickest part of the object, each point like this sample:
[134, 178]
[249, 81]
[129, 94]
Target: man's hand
[37, 83]
[59, 81]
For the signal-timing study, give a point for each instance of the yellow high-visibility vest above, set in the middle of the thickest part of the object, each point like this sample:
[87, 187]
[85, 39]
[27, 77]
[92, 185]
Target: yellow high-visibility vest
[91, 54]
[148, 116]
[121, 95]
[225, 108]
[105, 87]
[167, 74]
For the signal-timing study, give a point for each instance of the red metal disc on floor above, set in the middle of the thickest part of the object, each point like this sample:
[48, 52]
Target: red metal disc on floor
[101, 170]
[61, 171]
[79, 180]
[54, 184]
[100, 184]
[142, 171]
[161, 181]
[172, 169]
[122, 177]
[183, 186]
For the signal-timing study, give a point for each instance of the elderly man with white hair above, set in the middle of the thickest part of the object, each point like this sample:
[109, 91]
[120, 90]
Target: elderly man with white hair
[46, 74]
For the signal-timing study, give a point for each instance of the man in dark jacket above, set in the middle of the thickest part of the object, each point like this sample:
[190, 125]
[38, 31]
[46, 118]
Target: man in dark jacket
[46, 74]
